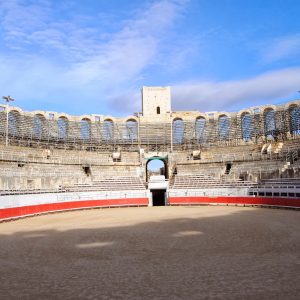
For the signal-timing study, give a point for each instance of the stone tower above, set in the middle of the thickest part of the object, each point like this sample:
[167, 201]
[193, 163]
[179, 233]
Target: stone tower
[156, 101]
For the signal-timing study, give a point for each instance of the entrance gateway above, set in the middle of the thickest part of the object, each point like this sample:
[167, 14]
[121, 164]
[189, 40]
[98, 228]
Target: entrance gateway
[158, 187]
[156, 176]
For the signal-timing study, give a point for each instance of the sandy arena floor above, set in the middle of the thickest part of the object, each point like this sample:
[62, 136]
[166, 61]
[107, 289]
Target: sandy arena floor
[153, 253]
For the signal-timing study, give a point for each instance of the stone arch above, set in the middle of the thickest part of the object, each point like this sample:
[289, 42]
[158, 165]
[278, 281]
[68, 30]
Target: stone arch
[221, 114]
[85, 128]
[247, 125]
[15, 109]
[269, 122]
[178, 130]
[200, 130]
[108, 130]
[38, 126]
[266, 108]
[131, 129]
[289, 104]
[39, 112]
[245, 111]
[294, 118]
[63, 127]
[62, 115]
[223, 126]
[14, 119]
[165, 163]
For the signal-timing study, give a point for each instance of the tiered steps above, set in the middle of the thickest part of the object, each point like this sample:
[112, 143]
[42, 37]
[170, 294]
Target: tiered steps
[109, 184]
[201, 181]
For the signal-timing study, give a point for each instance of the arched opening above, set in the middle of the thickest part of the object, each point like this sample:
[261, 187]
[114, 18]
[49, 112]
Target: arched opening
[270, 125]
[223, 126]
[62, 124]
[158, 110]
[131, 130]
[200, 130]
[247, 126]
[178, 131]
[156, 172]
[294, 113]
[108, 130]
[156, 166]
[38, 126]
[13, 122]
[85, 129]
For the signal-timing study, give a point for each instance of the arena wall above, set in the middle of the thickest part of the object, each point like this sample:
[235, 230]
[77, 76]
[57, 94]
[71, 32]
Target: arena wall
[243, 201]
[15, 206]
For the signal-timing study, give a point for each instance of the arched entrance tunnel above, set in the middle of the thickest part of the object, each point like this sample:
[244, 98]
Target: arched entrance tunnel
[156, 166]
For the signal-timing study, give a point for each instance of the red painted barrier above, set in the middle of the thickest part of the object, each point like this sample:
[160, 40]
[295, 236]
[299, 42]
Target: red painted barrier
[268, 201]
[8, 213]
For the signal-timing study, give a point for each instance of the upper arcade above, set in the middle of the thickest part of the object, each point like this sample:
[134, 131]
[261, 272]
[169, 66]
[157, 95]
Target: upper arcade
[156, 107]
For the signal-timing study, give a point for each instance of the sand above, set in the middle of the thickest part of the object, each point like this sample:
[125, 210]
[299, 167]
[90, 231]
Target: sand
[202, 252]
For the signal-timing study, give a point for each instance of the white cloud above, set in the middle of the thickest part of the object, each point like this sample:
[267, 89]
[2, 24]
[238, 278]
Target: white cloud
[236, 94]
[281, 48]
[59, 61]
[20, 19]
[131, 50]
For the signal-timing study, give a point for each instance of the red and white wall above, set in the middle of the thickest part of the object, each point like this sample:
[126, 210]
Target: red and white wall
[14, 206]
[230, 196]
[236, 200]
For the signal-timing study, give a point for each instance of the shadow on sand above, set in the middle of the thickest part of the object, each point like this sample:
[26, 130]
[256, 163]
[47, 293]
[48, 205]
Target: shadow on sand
[238, 253]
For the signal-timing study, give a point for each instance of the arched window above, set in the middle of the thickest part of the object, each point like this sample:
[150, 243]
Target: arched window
[200, 130]
[62, 124]
[38, 126]
[178, 131]
[131, 131]
[108, 130]
[270, 126]
[158, 110]
[247, 126]
[13, 122]
[85, 129]
[295, 120]
[223, 125]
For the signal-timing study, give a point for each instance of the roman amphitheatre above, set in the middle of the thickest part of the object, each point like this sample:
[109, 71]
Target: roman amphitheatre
[218, 219]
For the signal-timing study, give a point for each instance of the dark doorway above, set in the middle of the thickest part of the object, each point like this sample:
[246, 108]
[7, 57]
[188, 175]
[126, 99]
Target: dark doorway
[87, 170]
[158, 197]
[228, 168]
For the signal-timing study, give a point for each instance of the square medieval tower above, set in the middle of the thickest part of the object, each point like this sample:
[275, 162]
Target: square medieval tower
[156, 101]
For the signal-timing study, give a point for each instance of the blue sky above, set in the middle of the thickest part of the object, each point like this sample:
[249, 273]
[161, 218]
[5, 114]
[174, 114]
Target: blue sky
[94, 56]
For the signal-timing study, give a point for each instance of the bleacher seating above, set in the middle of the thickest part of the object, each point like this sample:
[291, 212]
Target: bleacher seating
[201, 181]
[110, 184]
[134, 183]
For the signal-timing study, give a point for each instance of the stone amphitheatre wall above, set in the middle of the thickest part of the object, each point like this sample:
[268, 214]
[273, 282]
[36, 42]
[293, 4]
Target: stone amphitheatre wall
[155, 132]
[51, 150]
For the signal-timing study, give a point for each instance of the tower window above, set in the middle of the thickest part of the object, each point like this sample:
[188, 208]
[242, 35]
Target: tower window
[158, 110]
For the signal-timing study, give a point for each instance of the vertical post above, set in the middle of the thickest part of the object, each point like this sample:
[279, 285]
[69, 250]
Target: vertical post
[6, 130]
[171, 132]
[171, 155]
[139, 137]
[7, 99]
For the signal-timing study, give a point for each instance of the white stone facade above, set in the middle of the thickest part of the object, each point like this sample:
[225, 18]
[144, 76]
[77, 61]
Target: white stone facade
[156, 101]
